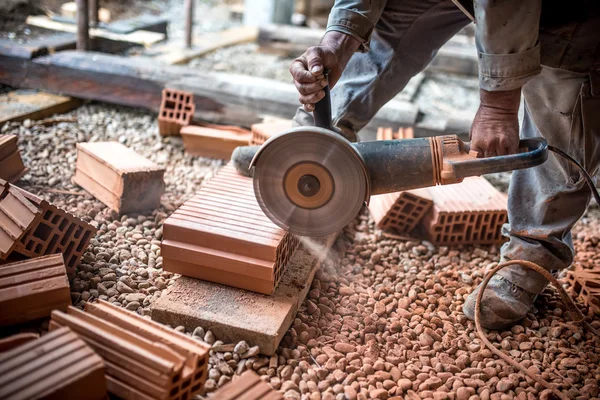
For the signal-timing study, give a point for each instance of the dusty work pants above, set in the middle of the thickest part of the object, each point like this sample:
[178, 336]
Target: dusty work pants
[562, 106]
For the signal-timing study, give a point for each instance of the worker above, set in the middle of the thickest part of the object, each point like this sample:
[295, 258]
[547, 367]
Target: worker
[546, 51]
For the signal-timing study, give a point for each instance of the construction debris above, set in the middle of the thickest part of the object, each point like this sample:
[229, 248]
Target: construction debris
[119, 177]
[400, 211]
[263, 131]
[176, 111]
[11, 164]
[144, 360]
[248, 386]
[212, 142]
[222, 235]
[56, 231]
[58, 366]
[17, 216]
[31, 289]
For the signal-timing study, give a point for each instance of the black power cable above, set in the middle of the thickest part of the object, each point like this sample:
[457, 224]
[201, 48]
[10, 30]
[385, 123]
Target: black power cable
[582, 171]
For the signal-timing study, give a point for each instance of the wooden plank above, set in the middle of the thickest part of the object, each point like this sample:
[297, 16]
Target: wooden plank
[206, 43]
[20, 105]
[145, 38]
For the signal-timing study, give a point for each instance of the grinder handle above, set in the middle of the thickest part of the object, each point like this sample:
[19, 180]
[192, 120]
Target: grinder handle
[322, 112]
[533, 152]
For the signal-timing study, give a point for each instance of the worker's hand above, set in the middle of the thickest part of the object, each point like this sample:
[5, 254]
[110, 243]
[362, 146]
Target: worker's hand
[332, 54]
[495, 129]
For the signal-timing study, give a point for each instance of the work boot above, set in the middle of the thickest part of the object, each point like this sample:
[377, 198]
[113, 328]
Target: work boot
[241, 158]
[503, 304]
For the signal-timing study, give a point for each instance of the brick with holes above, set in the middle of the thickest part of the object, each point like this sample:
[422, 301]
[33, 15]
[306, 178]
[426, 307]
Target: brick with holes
[57, 231]
[17, 216]
[144, 359]
[400, 211]
[264, 131]
[176, 110]
[11, 164]
[247, 386]
[586, 285]
[221, 235]
[470, 212]
[119, 177]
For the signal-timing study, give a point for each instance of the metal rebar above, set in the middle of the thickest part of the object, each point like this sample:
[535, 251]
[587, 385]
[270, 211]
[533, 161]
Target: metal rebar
[83, 26]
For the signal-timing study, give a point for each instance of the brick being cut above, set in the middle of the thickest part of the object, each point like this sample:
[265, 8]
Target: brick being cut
[59, 365]
[144, 359]
[213, 142]
[31, 289]
[176, 111]
[264, 131]
[11, 165]
[248, 386]
[470, 212]
[119, 177]
[221, 235]
[17, 216]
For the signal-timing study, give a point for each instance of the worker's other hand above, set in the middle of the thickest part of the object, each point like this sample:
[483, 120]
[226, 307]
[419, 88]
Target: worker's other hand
[495, 129]
[332, 54]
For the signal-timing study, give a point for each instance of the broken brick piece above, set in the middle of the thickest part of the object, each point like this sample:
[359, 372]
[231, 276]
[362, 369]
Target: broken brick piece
[11, 164]
[211, 142]
[264, 131]
[119, 177]
[470, 212]
[31, 289]
[222, 235]
[400, 211]
[59, 365]
[57, 231]
[176, 110]
[247, 386]
[17, 216]
[144, 359]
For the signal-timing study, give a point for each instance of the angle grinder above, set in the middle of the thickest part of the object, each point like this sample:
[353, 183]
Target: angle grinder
[312, 181]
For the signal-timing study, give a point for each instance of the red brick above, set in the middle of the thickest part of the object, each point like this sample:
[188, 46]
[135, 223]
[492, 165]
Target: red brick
[263, 132]
[119, 177]
[59, 365]
[17, 216]
[176, 110]
[400, 211]
[11, 164]
[9, 343]
[57, 231]
[31, 289]
[247, 386]
[586, 284]
[211, 142]
[222, 235]
[144, 359]
[471, 212]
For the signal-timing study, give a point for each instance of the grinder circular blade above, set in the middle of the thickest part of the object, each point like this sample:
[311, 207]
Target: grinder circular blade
[310, 181]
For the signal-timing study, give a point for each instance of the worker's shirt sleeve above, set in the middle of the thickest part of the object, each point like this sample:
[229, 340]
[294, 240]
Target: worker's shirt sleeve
[356, 18]
[506, 33]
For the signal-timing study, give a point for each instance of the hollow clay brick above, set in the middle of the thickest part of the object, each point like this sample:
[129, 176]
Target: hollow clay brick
[389, 134]
[221, 235]
[31, 289]
[247, 386]
[471, 212]
[119, 177]
[176, 110]
[59, 365]
[17, 216]
[11, 164]
[264, 131]
[144, 359]
[586, 284]
[400, 211]
[57, 231]
[211, 142]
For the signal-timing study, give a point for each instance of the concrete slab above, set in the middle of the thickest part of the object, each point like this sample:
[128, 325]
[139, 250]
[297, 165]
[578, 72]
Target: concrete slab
[234, 314]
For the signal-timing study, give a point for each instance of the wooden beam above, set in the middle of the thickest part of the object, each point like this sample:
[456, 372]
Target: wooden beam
[21, 105]
[139, 37]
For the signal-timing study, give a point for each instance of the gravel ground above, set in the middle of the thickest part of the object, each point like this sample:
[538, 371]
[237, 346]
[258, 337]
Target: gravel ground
[384, 321]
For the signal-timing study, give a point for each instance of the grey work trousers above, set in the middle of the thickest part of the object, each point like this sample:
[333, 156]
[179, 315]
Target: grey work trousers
[562, 106]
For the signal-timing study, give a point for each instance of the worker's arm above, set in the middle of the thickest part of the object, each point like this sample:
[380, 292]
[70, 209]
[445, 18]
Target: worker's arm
[349, 29]
[506, 33]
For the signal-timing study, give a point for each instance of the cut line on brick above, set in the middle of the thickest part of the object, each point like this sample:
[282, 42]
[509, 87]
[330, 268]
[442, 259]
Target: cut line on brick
[221, 235]
[176, 110]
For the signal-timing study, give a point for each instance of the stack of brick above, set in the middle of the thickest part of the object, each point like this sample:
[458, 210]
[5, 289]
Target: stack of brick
[399, 211]
[176, 111]
[17, 216]
[263, 132]
[119, 177]
[144, 359]
[221, 235]
[31, 289]
[248, 386]
[586, 285]
[57, 366]
[213, 142]
[11, 164]
[389, 134]
[471, 212]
